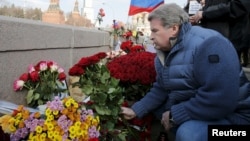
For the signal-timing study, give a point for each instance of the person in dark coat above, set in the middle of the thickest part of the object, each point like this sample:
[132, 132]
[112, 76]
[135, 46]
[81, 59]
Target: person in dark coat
[244, 49]
[229, 17]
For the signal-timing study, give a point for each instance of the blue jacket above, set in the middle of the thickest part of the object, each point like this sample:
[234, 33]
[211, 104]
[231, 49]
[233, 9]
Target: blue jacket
[198, 80]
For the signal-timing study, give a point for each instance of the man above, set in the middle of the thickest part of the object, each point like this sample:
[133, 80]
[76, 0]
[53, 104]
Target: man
[198, 79]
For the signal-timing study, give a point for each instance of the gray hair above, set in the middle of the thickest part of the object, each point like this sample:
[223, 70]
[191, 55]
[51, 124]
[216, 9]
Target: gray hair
[169, 14]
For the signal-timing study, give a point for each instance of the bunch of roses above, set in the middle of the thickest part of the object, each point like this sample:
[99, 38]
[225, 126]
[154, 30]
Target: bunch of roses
[64, 120]
[43, 81]
[79, 68]
[139, 68]
[100, 15]
[136, 73]
[129, 47]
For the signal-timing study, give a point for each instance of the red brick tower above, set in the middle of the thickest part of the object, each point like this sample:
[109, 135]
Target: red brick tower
[54, 14]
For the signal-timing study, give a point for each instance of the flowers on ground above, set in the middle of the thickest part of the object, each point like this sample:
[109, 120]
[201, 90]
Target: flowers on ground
[64, 120]
[43, 81]
[104, 91]
[111, 80]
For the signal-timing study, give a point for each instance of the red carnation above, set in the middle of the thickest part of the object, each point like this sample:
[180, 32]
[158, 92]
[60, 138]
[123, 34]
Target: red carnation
[84, 62]
[24, 77]
[34, 76]
[62, 76]
[76, 70]
[101, 55]
[93, 59]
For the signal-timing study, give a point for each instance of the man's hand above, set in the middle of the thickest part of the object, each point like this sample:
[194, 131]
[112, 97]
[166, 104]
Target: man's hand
[128, 113]
[165, 121]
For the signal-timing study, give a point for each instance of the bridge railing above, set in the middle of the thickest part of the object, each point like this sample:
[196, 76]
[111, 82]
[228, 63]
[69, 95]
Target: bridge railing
[24, 42]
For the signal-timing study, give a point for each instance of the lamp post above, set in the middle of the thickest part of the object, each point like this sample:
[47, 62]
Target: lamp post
[115, 39]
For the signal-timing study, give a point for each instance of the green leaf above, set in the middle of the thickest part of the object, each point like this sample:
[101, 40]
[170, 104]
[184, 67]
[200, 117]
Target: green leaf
[110, 125]
[40, 102]
[87, 89]
[102, 110]
[37, 96]
[30, 96]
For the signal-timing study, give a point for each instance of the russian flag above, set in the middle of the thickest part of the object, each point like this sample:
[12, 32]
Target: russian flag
[138, 6]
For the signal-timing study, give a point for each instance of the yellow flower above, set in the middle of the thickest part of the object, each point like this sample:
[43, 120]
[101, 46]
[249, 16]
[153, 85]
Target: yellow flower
[79, 132]
[50, 117]
[50, 126]
[44, 135]
[17, 122]
[72, 135]
[55, 112]
[95, 121]
[33, 138]
[50, 134]
[39, 129]
[12, 128]
[78, 123]
[48, 112]
[68, 103]
[42, 138]
[75, 105]
[72, 129]
[19, 116]
[4, 122]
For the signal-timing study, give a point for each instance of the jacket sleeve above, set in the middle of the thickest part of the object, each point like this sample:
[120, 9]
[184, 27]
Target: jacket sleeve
[216, 70]
[224, 11]
[152, 100]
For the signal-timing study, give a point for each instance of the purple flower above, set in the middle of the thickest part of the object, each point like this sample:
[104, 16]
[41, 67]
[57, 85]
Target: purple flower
[93, 133]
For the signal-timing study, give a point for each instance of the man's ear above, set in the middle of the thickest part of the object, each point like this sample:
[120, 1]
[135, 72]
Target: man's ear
[175, 29]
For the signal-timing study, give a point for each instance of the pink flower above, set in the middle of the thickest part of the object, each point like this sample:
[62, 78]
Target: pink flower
[18, 85]
[43, 66]
[53, 67]
[60, 70]
[31, 68]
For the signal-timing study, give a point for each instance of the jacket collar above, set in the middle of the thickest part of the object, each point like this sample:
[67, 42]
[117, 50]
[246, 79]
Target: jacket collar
[185, 27]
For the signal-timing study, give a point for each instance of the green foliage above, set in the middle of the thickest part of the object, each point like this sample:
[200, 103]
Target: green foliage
[106, 95]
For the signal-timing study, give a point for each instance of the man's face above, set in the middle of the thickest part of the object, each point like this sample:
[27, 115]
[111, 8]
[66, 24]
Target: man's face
[160, 35]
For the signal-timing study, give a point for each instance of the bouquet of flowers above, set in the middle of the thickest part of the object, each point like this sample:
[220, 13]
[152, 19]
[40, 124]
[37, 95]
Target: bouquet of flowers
[104, 92]
[100, 15]
[138, 76]
[43, 81]
[63, 120]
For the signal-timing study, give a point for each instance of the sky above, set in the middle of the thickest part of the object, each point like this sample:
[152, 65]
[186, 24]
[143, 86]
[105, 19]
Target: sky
[114, 9]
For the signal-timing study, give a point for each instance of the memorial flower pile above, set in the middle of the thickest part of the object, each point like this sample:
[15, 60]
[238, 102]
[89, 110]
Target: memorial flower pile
[63, 120]
[112, 82]
[43, 81]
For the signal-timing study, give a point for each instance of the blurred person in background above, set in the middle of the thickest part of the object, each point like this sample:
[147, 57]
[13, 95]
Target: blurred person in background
[229, 17]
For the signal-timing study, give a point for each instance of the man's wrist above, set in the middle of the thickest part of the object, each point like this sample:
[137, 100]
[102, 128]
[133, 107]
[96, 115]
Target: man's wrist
[171, 119]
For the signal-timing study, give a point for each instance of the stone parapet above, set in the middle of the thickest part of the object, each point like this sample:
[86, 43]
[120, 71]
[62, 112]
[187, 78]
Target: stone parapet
[24, 42]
